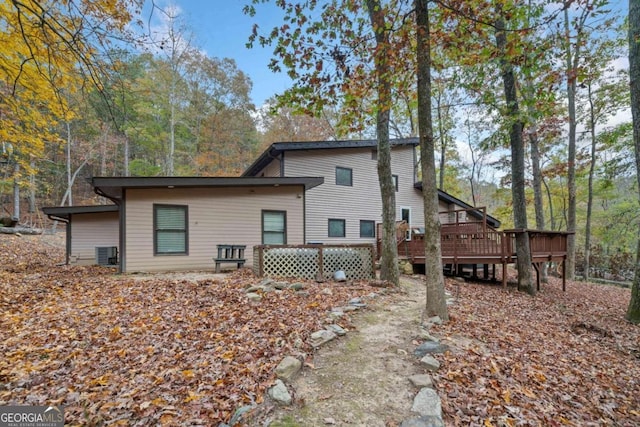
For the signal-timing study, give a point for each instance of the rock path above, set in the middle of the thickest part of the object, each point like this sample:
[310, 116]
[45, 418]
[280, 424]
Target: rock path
[375, 375]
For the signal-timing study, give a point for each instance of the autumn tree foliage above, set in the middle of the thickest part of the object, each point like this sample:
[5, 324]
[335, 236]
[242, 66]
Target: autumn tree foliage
[50, 49]
[284, 124]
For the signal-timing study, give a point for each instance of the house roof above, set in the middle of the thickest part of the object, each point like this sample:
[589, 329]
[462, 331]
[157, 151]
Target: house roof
[278, 148]
[448, 198]
[63, 213]
[112, 187]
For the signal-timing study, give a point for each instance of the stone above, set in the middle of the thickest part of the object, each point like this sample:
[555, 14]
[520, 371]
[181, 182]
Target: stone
[339, 276]
[321, 337]
[266, 282]
[297, 286]
[335, 315]
[280, 285]
[237, 416]
[427, 403]
[427, 336]
[421, 380]
[280, 394]
[430, 363]
[430, 347]
[288, 368]
[254, 289]
[252, 296]
[336, 329]
[423, 421]
[436, 320]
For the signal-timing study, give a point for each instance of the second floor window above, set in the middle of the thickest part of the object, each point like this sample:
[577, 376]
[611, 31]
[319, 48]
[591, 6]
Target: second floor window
[344, 176]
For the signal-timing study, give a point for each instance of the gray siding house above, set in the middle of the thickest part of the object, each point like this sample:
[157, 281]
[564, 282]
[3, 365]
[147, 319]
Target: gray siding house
[347, 208]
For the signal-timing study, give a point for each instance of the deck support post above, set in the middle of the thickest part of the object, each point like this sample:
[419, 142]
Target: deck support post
[504, 274]
[564, 275]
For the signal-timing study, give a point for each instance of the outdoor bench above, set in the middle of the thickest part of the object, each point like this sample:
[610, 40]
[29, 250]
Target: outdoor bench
[230, 254]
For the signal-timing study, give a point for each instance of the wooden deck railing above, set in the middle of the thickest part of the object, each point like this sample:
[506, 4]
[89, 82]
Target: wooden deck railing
[469, 244]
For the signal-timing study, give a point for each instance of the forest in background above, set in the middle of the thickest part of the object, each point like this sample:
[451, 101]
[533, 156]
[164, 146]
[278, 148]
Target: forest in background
[112, 100]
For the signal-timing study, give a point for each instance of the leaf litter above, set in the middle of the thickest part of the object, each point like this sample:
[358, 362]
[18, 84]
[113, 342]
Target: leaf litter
[161, 350]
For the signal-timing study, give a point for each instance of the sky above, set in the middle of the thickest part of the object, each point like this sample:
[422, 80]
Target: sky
[221, 30]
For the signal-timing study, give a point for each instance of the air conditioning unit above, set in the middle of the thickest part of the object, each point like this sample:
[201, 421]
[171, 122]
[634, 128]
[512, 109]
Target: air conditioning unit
[107, 255]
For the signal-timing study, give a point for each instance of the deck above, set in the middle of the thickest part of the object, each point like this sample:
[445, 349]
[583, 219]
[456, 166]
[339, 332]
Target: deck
[473, 244]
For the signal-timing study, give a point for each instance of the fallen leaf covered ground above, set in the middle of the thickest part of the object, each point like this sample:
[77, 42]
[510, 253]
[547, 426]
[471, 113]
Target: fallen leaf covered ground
[560, 358]
[115, 349]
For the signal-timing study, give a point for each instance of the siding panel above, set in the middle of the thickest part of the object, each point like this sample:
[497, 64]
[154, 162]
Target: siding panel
[216, 216]
[89, 231]
[361, 201]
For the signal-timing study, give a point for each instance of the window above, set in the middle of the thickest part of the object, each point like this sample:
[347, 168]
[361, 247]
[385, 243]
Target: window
[274, 228]
[170, 234]
[344, 176]
[395, 181]
[336, 227]
[367, 228]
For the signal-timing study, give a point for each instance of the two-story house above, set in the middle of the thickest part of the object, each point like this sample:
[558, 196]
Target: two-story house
[294, 193]
[348, 206]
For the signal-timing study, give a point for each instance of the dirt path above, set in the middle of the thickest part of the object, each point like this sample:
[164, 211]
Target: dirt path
[361, 379]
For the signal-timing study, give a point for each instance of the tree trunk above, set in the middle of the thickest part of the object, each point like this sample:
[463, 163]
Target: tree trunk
[32, 187]
[537, 188]
[436, 304]
[443, 143]
[517, 161]
[570, 263]
[16, 192]
[389, 257]
[633, 311]
[592, 167]
[126, 155]
[69, 182]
